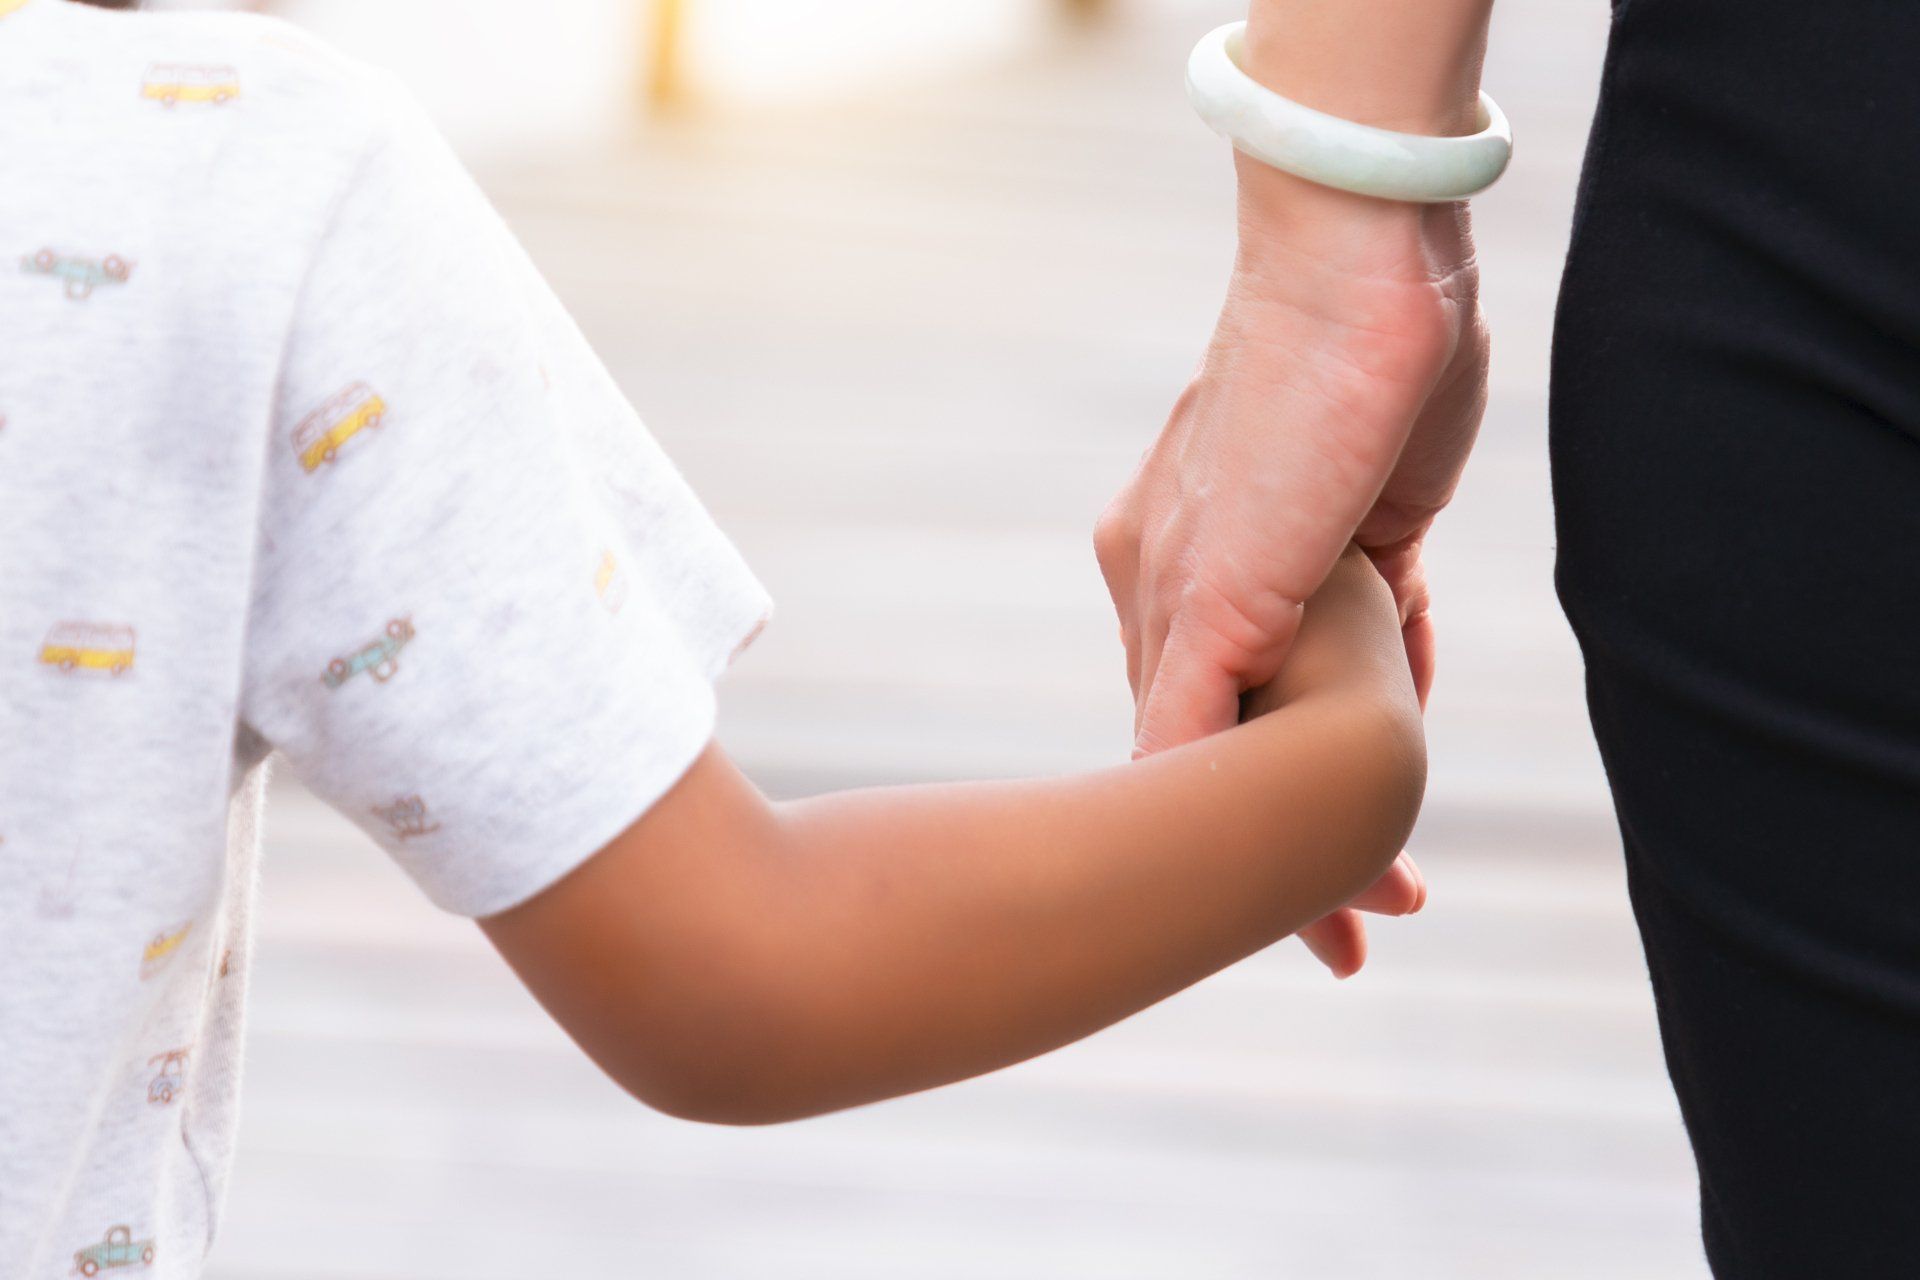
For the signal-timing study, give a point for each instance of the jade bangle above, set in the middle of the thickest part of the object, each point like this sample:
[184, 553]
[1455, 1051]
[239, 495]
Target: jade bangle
[1334, 152]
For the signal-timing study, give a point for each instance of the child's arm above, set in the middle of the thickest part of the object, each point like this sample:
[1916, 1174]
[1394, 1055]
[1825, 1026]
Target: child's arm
[733, 960]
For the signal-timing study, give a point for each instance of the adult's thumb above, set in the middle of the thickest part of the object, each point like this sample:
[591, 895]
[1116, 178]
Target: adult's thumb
[1190, 698]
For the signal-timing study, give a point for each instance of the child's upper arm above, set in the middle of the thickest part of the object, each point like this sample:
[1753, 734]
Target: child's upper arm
[640, 952]
[487, 610]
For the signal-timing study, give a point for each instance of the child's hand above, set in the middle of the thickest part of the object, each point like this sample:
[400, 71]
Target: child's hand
[1350, 638]
[1349, 641]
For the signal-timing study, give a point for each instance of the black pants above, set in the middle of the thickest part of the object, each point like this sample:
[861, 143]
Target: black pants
[1736, 458]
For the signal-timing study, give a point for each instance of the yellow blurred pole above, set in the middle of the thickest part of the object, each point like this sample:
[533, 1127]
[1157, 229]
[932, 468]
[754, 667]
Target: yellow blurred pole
[666, 58]
[666, 85]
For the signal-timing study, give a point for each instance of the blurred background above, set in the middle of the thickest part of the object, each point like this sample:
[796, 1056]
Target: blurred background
[906, 288]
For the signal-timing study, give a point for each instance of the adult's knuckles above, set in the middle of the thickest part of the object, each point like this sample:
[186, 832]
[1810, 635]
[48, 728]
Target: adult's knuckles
[1244, 639]
[1116, 538]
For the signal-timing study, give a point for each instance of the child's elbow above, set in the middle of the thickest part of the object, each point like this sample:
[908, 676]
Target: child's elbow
[700, 1102]
[719, 1093]
[732, 1057]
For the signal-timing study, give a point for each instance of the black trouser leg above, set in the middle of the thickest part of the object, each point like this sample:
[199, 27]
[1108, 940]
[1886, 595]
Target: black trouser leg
[1736, 451]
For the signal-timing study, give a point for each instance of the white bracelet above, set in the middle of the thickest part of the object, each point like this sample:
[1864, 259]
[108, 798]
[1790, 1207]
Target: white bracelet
[1334, 152]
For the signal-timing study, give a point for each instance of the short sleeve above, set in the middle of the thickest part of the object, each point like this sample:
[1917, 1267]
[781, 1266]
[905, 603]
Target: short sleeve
[488, 612]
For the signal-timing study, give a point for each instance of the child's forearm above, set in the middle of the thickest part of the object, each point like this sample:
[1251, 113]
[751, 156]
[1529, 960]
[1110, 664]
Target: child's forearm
[746, 962]
[1036, 913]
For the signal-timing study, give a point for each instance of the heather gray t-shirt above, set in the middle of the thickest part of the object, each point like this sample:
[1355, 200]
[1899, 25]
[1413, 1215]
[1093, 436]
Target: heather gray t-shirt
[298, 454]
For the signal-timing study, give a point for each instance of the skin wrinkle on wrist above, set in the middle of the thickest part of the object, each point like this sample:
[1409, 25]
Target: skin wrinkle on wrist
[1358, 236]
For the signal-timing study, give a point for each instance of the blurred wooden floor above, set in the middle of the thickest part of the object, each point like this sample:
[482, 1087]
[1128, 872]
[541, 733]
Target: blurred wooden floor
[906, 358]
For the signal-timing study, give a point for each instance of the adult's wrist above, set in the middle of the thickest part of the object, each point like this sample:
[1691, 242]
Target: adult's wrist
[1289, 224]
[1388, 64]
[1270, 198]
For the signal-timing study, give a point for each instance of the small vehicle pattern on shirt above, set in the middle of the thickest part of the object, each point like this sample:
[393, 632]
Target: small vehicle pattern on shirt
[408, 817]
[161, 951]
[610, 582]
[170, 83]
[119, 1249]
[89, 646]
[318, 438]
[380, 659]
[9, 6]
[170, 1078]
[81, 275]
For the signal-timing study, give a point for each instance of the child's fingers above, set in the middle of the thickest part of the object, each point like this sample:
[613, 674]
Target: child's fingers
[1400, 892]
[1338, 941]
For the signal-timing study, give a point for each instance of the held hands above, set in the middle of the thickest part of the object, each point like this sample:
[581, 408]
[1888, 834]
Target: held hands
[1349, 650]
[1337, 401]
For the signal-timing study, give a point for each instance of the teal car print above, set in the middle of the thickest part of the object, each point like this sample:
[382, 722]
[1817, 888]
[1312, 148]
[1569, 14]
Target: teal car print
[380, 659]
[119, 1249]
[82, 275]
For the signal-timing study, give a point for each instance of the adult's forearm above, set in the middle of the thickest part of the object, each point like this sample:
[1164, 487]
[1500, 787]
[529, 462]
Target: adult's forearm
[1412, 65]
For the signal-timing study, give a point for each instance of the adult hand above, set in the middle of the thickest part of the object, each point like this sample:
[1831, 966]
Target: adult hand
[1337, 401]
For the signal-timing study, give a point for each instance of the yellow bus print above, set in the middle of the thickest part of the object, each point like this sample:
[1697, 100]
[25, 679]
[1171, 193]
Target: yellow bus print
[170, 83]
[89, 646]
[8, 6]
[317, 440]
[162, 949]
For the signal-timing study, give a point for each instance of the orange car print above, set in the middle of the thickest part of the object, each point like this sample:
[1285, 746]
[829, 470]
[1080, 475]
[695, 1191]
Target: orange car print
[317, 440]
[381, 658]
[163, 948]
[89, 646]
[169, 83]
[82, 275]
